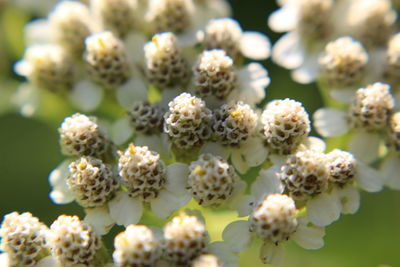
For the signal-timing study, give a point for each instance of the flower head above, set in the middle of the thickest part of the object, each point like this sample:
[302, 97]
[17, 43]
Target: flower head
[286, 125]
[146, 118]
[136, 246]
[23, 239]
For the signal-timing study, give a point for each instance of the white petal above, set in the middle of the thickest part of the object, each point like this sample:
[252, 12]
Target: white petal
[315, 144]
[255, 45]
[288, 51]
[349, 198]
[277, 160]
[100, 219]
[221, 250]
[330, 122]
[308, 71]
[253, 79]
[58, 180]
[121, 131]
[365, 146]
[48, 261]
[266, 183]
[283, 19]
[86, 96]
[188, 38]
[177, 175]
[368, 178]
[323, 209]
[309, 237]
[272, 254]
[38, 32]
[215, 149]
[4, 261]
[27, 98]
[236, 235]
[254, 152]
[154, 142]
[133, 90]
[167, 202]
[244, 205]
[238, 161]
[125, 210]
[390, 170]
[342, 95]
[134, 43]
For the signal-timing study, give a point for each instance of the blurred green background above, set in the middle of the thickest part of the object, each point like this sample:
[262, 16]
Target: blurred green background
[29, 151]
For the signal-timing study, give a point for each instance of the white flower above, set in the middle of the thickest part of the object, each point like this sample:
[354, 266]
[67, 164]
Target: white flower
[368, 114]
[147, 180]
[274, 221]
[226, 34]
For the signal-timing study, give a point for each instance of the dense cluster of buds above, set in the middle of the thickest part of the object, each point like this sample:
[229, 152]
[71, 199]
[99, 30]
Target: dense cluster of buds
[195, 125]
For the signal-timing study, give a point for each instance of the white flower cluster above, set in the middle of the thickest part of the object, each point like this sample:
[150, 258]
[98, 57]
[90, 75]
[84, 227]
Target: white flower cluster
[194, 127]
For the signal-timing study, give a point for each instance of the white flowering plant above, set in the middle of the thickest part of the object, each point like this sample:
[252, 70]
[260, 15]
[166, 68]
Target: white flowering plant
[175, 151]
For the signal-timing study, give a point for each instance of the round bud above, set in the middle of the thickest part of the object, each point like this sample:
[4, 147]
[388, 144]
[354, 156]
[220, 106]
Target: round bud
[142, 172]
[48, 67]
[188, 121]
[214, 74]
[91, 181]
[305, 174]
[274, 218]
[211, 180]
[285, 125]
[165, 65]
[136, 246]
[342, 167]
[371, 107]
[23, 239]
[73, 241]
[146, 118]
[115, 15]
[71, 23]
[225, 34]
[234, 123]
[315, 18]
[106, 60]
[343, 63]
[170, 15]
[81, 136]
[185, 238]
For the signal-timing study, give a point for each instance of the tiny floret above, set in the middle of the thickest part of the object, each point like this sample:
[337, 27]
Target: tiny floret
[23, 239]
[305, 174]
[81, 136]
[343, 63]
[371, 107]
[185, 238]
[73, 241]
[214, 74]
[165, 64]
[142, 172]
[393, 131]
[71, 24]
[342, 167]
[136, 246]
[106, 60]
[225, 34]
[170, 15]
[207, 260]
[48, 67]
[188, 121]
[211, 180]
[274, 218]
[234, 123]
[285, 125]
[91, 181]
[146, 118]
